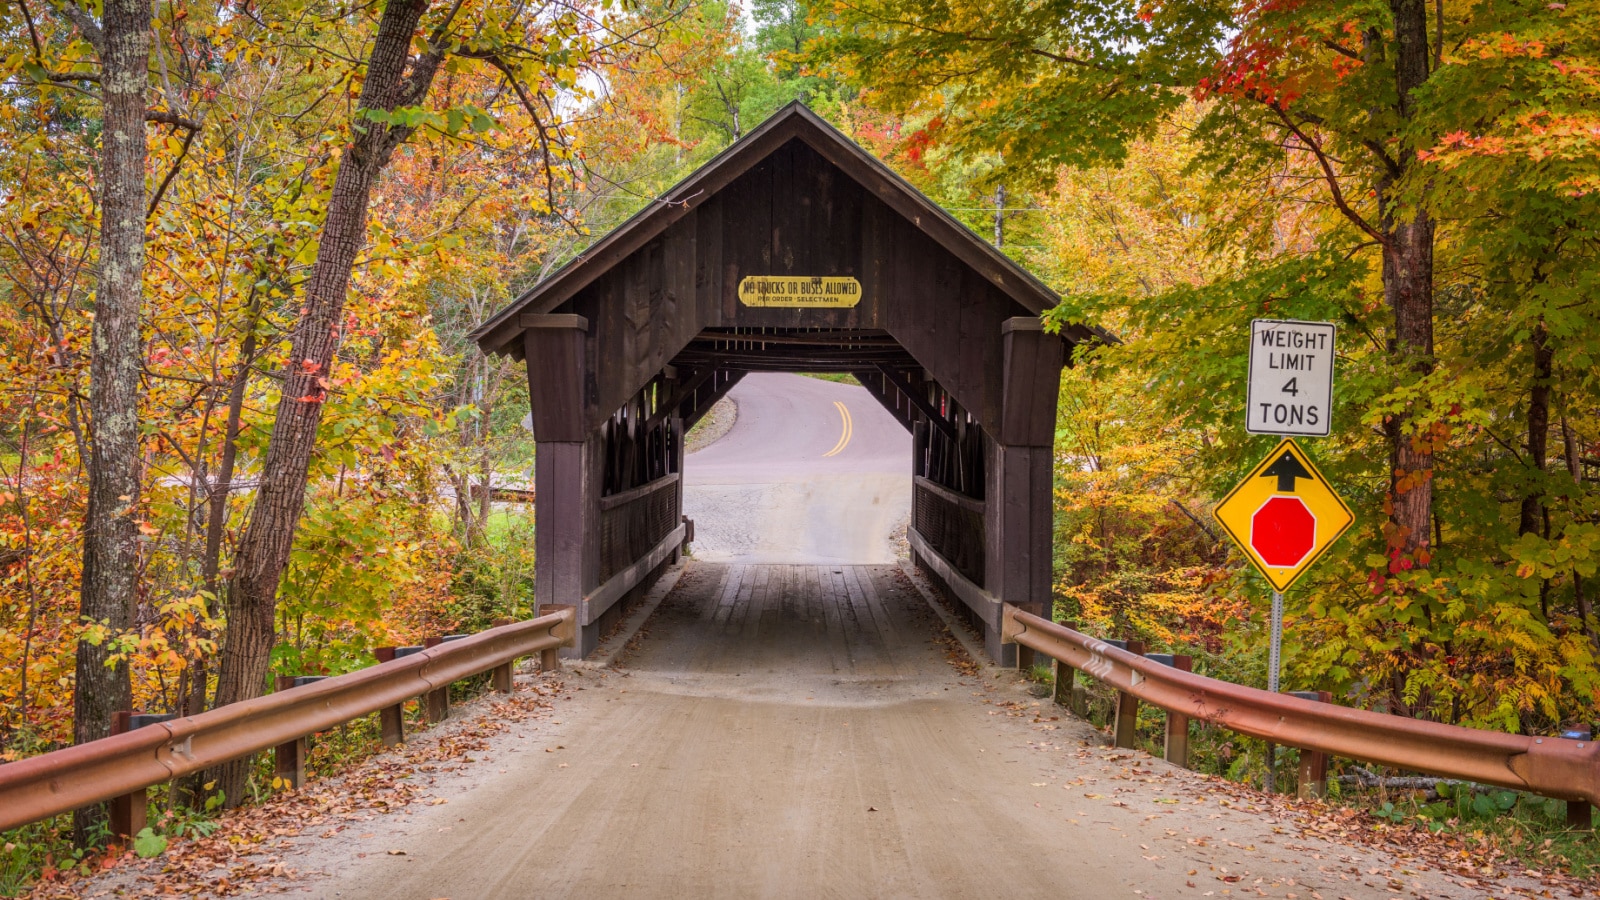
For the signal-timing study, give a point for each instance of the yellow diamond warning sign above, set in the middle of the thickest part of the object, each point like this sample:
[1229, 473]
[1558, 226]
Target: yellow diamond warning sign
[1284, 515]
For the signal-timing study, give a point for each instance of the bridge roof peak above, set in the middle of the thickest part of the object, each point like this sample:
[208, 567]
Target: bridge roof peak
[794, 122]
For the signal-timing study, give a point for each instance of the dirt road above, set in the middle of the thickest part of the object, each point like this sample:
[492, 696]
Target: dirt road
[813, 472]
[797, 731]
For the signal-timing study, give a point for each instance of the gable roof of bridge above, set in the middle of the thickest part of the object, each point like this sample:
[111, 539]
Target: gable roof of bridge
[796, 121]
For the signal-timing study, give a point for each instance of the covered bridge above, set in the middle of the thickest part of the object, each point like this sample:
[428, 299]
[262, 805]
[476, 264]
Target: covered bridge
[793, 250]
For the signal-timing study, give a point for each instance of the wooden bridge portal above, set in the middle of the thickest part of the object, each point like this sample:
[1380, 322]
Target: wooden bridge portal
[793, 250]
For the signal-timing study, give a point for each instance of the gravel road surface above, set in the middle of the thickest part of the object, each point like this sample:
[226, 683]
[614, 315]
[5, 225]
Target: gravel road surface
[799, 732]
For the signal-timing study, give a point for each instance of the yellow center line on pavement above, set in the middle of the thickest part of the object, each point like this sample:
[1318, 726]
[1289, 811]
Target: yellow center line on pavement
[849, 429]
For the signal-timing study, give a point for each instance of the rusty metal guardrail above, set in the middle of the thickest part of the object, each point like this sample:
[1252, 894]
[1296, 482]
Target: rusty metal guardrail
[1548, 766]
[53, 783]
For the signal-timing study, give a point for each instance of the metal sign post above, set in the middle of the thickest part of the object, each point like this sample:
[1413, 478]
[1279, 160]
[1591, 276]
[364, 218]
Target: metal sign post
[1281, 525]
[1275, 649]
[1274, 666]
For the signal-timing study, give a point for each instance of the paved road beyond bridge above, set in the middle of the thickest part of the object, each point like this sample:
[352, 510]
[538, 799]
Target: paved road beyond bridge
[812, 472]
[798, 731]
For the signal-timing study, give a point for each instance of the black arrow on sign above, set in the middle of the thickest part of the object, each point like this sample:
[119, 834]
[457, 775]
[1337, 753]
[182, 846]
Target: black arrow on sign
[1287, 469]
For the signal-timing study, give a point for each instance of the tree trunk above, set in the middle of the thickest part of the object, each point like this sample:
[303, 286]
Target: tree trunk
[1569, 442]
[1408, 290]
[111, 533]
[1531, 520]
[251, 603]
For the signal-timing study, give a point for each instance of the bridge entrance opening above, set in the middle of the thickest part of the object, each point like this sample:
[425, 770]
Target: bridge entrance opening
[798, 470]
[792, 251]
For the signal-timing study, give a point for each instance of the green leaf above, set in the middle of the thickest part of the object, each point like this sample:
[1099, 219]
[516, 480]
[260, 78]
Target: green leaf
[148, 844]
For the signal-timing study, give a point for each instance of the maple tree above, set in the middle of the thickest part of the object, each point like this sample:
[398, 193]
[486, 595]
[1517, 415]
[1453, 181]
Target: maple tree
[231, 243]
[325, 215]
[1416, 173]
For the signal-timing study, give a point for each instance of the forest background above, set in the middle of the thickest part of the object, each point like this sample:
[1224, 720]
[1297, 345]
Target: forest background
[1422, 174]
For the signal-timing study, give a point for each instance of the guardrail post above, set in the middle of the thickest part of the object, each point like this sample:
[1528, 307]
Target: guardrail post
[289, 758]
[501, 675]
[1026, 658]
[1126, 733]
[437, 701]
[550, 660]
[1313, 776]
[1067, 692]
[1176, 745]
[128, 812]
[391, 719]
[1580, 815]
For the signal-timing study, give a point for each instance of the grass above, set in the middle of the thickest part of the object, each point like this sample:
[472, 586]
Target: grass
[29, 850]
[1528, 827]
[835, 377]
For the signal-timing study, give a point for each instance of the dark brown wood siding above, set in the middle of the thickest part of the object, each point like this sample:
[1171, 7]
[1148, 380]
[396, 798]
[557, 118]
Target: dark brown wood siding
[796, 214]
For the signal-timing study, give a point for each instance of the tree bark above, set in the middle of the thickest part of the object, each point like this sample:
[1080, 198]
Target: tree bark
[1531, 520]
[251, 603]
[111, 534]
[1574, 461]
[1408, 291]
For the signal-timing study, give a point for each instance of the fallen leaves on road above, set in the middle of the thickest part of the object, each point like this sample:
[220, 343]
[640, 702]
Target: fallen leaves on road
[1468, 862]
[244, 854]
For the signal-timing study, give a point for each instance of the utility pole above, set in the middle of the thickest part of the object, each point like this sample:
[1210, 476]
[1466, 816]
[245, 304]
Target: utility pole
[1000, 217]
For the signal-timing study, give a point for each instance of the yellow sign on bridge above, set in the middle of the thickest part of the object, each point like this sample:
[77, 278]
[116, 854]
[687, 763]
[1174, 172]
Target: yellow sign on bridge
[791, 291]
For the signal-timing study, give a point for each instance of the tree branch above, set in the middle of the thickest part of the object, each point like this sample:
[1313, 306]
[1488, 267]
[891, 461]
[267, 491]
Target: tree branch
[173, 119]
[1329, 175]
[87, 26]
[1390, 164]
[1342, 50]
[155, 201]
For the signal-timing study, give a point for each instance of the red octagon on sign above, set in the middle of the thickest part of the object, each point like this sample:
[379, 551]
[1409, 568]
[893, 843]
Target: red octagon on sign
[1283, 531]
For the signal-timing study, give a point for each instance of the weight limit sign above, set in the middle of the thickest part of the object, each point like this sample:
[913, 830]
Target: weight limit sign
[1291, 377]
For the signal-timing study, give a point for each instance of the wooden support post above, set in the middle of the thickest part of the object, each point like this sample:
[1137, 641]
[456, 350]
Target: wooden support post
[289, 758]
[437, 701]
[501, 676]
[1126, 726]
[1017, 550]
[1177, 742]
[128, 812]
[1026, 657]
[391, 719]
[1580, 815]
[567, 478]
[1067, 692]
[1066, 678]
[1313, 774]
